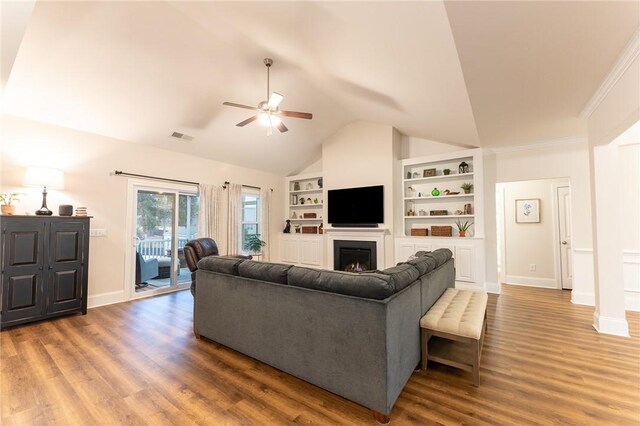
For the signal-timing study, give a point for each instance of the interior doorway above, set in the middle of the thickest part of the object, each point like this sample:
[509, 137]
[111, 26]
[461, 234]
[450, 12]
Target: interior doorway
[563, 204]
[163, 218]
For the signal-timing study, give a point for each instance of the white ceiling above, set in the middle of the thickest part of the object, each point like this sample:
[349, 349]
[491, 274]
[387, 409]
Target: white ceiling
[472, 74]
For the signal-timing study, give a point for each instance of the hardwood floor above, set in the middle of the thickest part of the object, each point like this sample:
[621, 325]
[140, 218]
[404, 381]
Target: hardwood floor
[139, 363]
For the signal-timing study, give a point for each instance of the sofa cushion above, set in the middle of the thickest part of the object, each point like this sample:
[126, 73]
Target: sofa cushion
[402, 275]
[371, 286]
[222, 264]
[265, 271]
[424, 264]
[440, 255]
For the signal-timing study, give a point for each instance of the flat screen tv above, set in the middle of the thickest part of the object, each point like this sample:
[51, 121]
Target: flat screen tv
[357, 207]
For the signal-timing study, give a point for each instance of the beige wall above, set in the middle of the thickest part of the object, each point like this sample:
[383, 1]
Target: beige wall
[363, 154]
[87, 161]
[532, 243]
[630, 199]
[417, 147]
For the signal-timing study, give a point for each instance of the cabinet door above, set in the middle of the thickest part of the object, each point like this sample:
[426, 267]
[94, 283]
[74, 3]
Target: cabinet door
[423, 247]
[289, 250]
[465, 263]
[405, 250]
[22, 269]
[310, 252]
[66, 266]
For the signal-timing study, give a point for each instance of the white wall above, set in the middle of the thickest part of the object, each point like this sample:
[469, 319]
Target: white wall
[363, 154]
[413, 147]
[568, 159]
[87, 161]
[630, 222]
[529, 244]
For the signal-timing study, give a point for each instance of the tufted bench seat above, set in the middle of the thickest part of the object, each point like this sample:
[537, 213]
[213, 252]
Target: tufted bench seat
[457, 322]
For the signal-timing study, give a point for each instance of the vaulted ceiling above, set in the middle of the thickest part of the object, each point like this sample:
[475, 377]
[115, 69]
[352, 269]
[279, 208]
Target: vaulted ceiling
[469, 73]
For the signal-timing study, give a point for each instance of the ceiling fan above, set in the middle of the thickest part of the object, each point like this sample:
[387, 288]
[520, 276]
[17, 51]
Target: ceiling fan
[268, 112]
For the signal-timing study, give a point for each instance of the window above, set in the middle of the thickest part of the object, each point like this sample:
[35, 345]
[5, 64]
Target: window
[250, 221]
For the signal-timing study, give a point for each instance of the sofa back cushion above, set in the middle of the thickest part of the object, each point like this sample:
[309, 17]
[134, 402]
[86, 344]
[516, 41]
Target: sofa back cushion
[221, 264]
[402, 275]
[370, 286]
[265, 271]
[423, 264]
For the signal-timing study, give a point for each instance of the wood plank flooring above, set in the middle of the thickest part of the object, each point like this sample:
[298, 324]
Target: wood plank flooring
[139, 363]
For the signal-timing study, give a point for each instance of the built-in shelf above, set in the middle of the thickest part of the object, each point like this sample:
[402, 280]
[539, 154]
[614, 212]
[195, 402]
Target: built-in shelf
[306, 191]
[305, 205]
[438, 197]
[441, 177]
[306, 220]
[448, 216]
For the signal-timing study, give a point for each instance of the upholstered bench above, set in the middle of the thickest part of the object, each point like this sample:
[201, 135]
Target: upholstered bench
[457, 322]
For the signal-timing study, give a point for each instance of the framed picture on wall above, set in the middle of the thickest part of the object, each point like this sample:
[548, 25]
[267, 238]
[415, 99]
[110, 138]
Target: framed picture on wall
[528, 210]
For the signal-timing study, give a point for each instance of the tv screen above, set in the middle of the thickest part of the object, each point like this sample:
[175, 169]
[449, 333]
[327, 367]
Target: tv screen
[360, 207]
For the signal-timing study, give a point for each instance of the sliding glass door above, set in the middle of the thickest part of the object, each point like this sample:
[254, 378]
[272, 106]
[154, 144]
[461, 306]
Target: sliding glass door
[165, 220]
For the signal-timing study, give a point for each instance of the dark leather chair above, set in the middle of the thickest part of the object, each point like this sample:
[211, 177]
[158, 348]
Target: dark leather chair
[195, 250]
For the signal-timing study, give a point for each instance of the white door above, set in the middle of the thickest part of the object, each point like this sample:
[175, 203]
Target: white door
[564, 240]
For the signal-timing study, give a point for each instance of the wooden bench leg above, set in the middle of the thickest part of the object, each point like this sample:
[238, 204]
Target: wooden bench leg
[424, 340]
[381, 418]
[475, 355]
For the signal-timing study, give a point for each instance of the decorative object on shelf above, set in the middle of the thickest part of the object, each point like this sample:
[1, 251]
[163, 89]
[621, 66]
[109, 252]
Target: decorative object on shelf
[463, 168]
[408, 175]
[294, 200]
[429, 172]
[320, 183]
[309, 215]
[297, 227]
[435, 192]
[422, 212]
[296, 186]
[419, 194]
[308, 200]
[287, 227]
[309, 229]
[419, 232]
[81, 211]
[254, 244]
[458, 212]
[65, 210]
[446, 172]
[294, 215]
[467, 209]
[301, 200]
[463, 227]
[308, 186]
[44, 177]
[447, 192]
[467, 187]
[315, 201]
[438, 212]
[416, 175]
[321, 229]
[441, 231]
[528, 210]
[7, 208]
[411, 192]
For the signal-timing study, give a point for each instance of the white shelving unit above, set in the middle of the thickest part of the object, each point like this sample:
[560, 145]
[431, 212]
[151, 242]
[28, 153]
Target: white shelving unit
[305, 197]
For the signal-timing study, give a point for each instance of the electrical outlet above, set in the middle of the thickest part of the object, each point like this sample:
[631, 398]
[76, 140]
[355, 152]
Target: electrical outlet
[97, 232]
[532, 267]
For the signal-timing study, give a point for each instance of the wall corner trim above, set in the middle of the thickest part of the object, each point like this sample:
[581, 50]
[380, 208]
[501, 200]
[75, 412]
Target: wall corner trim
[608, 325]
[494, 288]
[626, 58]
[103, 299]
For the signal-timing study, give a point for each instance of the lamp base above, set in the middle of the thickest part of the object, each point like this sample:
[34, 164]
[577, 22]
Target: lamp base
[44, 212]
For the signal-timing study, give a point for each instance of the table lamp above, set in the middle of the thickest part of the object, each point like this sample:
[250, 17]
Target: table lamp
[46, 178]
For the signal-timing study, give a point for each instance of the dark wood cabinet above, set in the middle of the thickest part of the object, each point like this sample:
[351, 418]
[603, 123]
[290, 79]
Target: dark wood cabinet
[44, 267]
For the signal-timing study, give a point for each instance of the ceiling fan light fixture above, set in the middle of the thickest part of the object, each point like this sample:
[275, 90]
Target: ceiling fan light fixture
[274, 100]
[267, 119]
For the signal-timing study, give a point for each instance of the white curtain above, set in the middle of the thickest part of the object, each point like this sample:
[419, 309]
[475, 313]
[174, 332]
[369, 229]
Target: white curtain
[210, 212]
[235, 217]
[265, 200]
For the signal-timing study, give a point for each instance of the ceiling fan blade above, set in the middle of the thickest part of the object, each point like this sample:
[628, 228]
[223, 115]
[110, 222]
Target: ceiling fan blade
[239, 105]
[275, 99]
[247, 121]
[282, 127]
[296, 114]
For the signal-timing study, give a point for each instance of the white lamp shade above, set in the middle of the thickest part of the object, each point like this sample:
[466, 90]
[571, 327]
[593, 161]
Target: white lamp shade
[44, 176]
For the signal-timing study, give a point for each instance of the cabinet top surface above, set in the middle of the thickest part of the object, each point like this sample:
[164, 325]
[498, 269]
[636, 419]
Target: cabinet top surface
[32, 216]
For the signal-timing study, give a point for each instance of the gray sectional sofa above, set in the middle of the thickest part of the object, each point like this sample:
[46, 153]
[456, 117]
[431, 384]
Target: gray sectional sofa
[356, 335]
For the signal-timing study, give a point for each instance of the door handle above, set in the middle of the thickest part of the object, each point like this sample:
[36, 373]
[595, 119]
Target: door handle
[564, 243]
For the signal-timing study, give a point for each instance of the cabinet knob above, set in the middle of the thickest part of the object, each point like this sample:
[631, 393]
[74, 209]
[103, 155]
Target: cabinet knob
[564, 243]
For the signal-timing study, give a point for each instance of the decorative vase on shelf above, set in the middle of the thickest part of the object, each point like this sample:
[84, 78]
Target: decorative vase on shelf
[462, 233]
[435, 192]
[8, 209]
[320, 183]
[296, 186]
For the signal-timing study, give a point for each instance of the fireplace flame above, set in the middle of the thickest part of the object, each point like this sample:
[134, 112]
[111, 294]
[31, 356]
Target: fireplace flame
[355, 267]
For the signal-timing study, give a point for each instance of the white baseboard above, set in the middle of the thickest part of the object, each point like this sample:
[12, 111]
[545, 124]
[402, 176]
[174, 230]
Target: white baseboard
[105, 298]
[613, 326]
[468, 286]
[493, 288]
[532, 282]
[578, 298]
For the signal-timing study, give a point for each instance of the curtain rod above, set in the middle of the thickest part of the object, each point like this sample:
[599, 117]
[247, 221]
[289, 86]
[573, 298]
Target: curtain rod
[226, 182]
[121, 173]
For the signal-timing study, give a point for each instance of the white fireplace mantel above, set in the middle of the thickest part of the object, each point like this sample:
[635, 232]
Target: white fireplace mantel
[356, 234]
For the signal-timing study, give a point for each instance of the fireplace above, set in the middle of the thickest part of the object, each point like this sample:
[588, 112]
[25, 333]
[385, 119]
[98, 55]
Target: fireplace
[354, 256]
